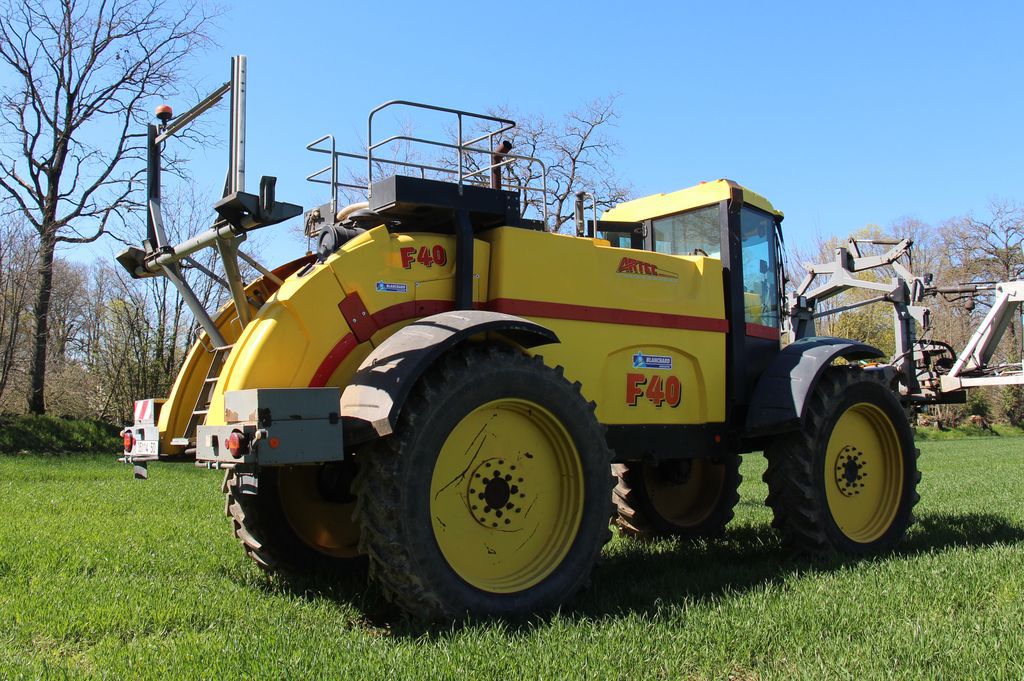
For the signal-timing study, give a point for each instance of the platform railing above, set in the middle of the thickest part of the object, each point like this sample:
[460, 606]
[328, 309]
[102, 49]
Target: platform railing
[461, 167]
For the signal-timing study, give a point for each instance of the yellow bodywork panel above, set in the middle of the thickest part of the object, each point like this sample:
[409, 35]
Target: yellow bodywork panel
[643, 332]
[323, 323]
[704, 194]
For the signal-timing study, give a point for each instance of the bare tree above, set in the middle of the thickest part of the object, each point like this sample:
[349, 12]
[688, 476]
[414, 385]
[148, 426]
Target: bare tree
[577, 151]
[988, 248]
[15, 289]
[81, 73]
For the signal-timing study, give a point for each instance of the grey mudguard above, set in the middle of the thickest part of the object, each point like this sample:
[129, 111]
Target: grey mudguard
[781, 394]
[373, 399]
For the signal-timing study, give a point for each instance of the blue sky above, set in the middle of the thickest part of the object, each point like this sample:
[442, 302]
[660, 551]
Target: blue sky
[842, 114]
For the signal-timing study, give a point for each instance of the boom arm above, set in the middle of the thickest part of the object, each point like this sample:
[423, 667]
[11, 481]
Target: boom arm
[921, 379]
[971, 367]
[903, 292]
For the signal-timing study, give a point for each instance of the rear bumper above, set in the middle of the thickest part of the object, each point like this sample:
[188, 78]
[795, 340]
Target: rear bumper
[279, 427]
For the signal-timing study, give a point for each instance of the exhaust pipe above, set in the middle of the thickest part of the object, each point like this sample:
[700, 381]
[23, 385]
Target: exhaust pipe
[496, 159]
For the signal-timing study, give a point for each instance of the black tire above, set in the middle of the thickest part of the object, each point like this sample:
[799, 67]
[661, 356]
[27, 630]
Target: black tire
[814, 482]
[693, 499]
[399, 496]
[267, 528]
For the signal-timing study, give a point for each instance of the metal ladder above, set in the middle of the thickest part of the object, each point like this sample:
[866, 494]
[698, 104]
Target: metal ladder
[202, 405]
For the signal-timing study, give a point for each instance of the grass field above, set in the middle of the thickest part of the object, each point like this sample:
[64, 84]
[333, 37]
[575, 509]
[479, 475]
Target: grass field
[102, 575]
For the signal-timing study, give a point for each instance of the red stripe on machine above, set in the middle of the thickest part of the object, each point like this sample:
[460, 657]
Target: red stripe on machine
[761, 331]
[366, 325]
[410, 310]
[607, 315]
[333, 360]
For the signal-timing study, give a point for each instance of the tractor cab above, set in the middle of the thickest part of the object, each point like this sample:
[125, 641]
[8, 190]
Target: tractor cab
[725, 221]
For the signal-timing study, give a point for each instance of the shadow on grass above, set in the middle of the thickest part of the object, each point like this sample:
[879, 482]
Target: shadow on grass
[643, 577]
[750, 557]
[346, 585]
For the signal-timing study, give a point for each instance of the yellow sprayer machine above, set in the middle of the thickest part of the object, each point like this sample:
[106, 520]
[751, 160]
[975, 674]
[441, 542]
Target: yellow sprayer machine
[467, 401]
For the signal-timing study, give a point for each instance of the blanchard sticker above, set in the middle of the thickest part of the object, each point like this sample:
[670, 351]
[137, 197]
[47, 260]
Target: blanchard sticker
[390, 287]
[642, 361]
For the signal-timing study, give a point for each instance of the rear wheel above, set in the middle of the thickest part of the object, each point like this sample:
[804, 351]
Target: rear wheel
[691, 498]
[491, 497]
[299, 519]
[846, 482]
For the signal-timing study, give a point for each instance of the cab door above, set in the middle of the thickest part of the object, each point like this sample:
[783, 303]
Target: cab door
[761, 283]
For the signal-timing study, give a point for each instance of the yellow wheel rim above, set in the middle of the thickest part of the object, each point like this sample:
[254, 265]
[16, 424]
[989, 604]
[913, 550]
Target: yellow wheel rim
[506, 496]
[688, 503]
[324, 525]
[863, 473]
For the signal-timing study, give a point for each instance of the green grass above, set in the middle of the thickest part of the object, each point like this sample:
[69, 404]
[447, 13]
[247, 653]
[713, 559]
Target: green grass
[102, 575]
[967, 430]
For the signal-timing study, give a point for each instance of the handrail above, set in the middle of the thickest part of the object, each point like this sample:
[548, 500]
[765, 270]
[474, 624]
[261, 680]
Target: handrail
[505, 124]
[463, 148]
[333, 167]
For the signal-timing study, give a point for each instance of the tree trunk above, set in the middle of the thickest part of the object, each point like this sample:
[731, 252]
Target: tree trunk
[41, 315]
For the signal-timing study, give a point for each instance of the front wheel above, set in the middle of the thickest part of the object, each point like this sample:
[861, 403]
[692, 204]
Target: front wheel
[846, 482]
[492, 496]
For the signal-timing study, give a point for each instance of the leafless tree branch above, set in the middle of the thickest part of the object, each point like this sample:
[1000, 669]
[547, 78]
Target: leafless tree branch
[83, 72]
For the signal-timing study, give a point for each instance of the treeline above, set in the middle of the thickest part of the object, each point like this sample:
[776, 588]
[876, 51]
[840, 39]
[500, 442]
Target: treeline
[110, 340]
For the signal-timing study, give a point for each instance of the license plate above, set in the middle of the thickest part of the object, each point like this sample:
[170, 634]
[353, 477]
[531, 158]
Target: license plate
[148, 447]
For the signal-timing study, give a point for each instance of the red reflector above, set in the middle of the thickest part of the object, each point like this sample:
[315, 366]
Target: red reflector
[129, 441]
[236, 444]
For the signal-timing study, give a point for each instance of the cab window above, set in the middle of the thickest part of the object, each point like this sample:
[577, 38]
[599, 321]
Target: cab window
[760, 293]
[695, 232]
[617, 239]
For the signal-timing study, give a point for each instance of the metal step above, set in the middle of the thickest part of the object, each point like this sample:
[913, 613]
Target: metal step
[202, 405]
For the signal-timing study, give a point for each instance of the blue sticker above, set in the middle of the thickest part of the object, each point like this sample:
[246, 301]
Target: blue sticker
[642, 361]
[388, 287]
